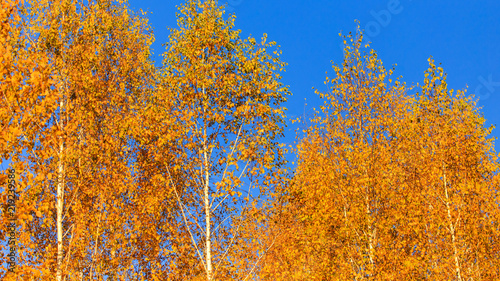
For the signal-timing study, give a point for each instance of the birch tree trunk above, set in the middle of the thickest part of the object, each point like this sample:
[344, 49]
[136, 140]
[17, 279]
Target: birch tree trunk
[60, 202]
[451, 228]
[206, 191]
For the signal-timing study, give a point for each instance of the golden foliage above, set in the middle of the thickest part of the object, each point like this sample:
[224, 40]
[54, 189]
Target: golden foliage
[390, 185]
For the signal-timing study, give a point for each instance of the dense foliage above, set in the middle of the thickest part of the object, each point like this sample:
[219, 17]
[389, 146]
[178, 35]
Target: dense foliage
[127, 171]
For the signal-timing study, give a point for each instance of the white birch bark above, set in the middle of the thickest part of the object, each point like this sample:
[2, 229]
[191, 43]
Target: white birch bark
[451, 228]
[60, 202]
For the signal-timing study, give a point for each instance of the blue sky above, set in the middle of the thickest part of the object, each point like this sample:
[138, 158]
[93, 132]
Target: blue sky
[462, 35]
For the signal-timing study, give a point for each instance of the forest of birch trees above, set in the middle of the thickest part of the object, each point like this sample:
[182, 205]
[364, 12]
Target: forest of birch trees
[115, 168]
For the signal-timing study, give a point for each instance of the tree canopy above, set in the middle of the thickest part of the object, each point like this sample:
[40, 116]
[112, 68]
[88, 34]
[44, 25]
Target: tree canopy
[127, 171]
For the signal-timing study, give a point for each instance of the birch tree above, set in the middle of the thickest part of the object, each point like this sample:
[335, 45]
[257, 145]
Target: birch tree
[74, 115]
[389, 184]
[226, 99]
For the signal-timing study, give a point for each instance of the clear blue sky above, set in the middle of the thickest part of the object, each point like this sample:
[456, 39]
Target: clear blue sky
[462, 35]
